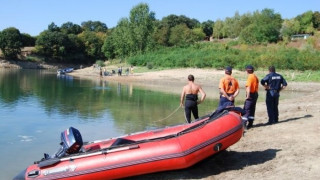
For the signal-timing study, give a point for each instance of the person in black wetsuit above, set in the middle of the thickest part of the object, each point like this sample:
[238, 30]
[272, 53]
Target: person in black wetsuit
[190, 93]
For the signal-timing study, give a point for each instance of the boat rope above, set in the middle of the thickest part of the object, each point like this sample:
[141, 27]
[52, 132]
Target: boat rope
[169, 114]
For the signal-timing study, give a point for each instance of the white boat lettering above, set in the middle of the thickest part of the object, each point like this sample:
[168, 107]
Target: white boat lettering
[59, 170]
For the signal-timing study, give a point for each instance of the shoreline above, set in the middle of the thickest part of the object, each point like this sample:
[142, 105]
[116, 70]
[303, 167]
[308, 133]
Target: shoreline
[166, 79]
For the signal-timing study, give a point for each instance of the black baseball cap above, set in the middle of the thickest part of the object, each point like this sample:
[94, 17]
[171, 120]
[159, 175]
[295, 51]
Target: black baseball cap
[249, 67]
[229, 68]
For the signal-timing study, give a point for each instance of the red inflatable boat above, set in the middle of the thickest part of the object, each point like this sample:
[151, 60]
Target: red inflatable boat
[170, 148]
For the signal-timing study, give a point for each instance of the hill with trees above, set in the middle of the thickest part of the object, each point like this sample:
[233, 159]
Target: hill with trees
[260, 38]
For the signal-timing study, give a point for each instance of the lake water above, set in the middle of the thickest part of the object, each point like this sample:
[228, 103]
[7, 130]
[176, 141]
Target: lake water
[37, 105]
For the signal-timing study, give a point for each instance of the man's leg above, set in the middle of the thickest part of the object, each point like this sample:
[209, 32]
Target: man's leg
[247, 108]
[253, 107]
[187, 114]
[187, 110]
[269, 103]
[276, 110]
[195, 112]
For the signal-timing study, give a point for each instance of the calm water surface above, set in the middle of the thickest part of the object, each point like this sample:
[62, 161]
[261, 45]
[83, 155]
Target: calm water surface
[36, 106]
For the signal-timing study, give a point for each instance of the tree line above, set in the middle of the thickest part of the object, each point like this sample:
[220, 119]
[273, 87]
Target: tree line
[141, 32]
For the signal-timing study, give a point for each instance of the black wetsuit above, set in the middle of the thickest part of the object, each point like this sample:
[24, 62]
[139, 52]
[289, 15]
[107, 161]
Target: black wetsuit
[191, 105]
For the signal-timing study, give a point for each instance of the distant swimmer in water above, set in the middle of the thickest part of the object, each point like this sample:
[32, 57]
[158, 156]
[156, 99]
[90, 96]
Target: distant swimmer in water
[190, 92]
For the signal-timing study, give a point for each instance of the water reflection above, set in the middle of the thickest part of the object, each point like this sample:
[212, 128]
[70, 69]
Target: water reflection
[131, 108]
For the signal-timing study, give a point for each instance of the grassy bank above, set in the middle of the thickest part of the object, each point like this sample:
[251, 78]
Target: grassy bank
[219, 55]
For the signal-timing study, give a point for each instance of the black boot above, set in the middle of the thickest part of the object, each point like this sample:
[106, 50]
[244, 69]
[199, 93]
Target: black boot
[250, 124]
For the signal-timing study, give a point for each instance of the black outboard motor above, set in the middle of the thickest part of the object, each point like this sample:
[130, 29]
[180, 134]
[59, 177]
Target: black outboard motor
[71, 142]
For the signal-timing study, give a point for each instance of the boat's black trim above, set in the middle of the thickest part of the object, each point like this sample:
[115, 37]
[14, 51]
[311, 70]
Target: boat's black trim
[48, 162]
[122, 141]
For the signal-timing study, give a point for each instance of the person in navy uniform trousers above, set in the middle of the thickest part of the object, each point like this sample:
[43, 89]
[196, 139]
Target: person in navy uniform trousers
[252, 88]
[273, 84]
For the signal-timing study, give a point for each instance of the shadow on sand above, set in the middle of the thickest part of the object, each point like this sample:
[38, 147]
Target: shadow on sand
[221, 162]
[284, 121]
[216, 164]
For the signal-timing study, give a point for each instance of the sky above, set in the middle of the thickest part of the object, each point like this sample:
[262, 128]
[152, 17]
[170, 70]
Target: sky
[34, 16]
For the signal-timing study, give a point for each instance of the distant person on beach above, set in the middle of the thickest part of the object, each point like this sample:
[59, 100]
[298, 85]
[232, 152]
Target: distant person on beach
[119, 71]
[273, 84]
[229, 87]
[100, 72]
[131, 70]
[190, 92]
[104, 72]
[252, 87]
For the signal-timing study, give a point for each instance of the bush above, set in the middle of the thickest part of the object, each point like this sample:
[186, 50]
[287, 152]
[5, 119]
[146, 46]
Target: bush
[150, 65]
[100, 63]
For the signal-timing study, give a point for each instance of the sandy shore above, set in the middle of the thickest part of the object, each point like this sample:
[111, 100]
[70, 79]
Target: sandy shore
[287, 150]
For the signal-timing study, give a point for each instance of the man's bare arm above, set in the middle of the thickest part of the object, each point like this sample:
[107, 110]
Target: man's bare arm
[203, 95]
[182, 97]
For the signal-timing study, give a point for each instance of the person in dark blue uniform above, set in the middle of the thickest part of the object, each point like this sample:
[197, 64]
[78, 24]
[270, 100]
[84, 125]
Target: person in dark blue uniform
[273, 84]
[190, 93]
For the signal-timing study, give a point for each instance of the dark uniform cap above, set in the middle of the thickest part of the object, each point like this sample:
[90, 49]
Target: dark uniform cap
[249, 67]
[228, 68]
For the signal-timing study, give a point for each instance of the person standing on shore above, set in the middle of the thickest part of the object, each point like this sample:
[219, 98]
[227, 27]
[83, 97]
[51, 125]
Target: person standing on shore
[229, 87]
[190, 92]
[273, 84]
[131, 70]
[100, 72]
[252, 87]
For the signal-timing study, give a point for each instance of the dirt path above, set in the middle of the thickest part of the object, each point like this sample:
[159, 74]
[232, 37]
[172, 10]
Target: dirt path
[287, 150]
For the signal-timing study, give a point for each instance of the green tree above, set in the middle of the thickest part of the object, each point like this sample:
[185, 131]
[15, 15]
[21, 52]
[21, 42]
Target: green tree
[27, 40]
[245, 20]
[289, 27]
[181, 35]
[95, 26]
[120, 38]
[52, 44]
[218, 29]
[108, 48]
[251, 34]
[93, 43]
[53, 27]
[232, 26]
[174, 20]
[207, 27]
[70, 28]
[198, 34]
[133, 35]
[265, 27]
[305, 21]
[161, 35]
[141, 26]
[76, 49]
[10, 42]
[316, 20]
[229, 24]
